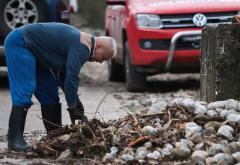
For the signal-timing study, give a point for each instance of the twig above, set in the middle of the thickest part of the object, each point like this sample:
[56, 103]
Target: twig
[49, 148]
[105, 139]
[81, 129]
[94, 136]
[170, 120]
[101, 117]
[135, 120]
[183, 110]
[154, 114]
[101, 103]
[49, 122]
[139, 140]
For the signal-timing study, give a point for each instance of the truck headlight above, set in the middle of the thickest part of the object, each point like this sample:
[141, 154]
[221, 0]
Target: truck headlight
[149, 21]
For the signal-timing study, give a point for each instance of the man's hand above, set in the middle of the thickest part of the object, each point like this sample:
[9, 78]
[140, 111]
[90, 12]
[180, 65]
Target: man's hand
[77, 113]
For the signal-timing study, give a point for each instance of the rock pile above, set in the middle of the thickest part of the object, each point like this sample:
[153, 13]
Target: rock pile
[183, 131]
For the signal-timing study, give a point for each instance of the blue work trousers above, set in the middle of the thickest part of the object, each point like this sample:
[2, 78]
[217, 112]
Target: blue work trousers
[25, 78]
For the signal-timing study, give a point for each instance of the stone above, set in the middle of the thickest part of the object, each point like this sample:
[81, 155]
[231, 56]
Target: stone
[126, 128]
[116, 140]
[182, 149]
[224, 158]
[226, 131]
[199, 154]
[214, 124]
[236, 156]
[64, 137]
[148, 145]
[232, 111]
[178, 101]
[231, 104]
[188, 104]
[127, 157]
[216, 148]
[149, 130]
[153, 162]
[108, 157]
[128, 151]
[114, 151]
[211, 161]
[234, 147]
[141, 153]
[212, 113]
[224, 113]
[64, 155]
[234, 118]
[156, 121]
[111, 129]
[216, 104]
[200, 109]
[199, 146]
[219, 110]
[157, 107]
[154, 155]
[210, 132]
[193, 132]
[167, 150]
[197, 161]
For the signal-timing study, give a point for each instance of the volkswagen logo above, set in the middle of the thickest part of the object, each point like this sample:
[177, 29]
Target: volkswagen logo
[199, 20]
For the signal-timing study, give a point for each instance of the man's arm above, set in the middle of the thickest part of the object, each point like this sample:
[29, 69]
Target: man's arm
[78, 112]
[77, 56]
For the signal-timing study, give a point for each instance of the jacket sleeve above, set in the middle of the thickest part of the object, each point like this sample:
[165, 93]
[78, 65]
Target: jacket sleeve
[77, 56]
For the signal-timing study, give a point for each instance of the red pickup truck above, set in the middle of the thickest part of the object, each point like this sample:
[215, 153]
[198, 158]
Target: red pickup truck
[159, 36]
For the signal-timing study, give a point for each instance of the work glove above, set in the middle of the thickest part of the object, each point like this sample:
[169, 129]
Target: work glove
[77, 113]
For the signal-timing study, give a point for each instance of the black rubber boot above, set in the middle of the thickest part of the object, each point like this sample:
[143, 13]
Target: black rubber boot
[81, 110]
[80, 107]
[52, 116]
[17, 120]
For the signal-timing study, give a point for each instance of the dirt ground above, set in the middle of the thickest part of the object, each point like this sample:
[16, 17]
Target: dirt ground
[93, 88]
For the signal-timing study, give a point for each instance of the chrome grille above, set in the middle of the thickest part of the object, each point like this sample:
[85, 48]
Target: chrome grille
[186, 21]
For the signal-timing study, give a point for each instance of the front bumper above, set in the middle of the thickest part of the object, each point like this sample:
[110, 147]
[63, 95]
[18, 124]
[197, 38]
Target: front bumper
[157, 51]
[173, 43]
[175, 68]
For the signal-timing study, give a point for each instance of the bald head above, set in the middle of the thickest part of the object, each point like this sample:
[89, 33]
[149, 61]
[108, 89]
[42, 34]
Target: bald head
[105, 49]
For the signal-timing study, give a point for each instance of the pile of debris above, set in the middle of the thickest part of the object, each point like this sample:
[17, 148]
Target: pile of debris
[183, 131]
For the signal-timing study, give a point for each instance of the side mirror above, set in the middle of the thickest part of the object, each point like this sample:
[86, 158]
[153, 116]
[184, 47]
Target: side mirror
[116, 2]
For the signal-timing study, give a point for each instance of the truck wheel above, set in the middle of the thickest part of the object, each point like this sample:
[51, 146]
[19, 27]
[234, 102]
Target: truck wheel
[115, 71]
[135, 81]
[16, 13]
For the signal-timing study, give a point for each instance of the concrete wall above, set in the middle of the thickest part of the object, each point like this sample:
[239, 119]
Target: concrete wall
[220, 63]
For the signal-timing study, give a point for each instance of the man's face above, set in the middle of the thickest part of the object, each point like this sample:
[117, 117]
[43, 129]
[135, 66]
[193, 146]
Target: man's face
[102, 52]
[98, 56]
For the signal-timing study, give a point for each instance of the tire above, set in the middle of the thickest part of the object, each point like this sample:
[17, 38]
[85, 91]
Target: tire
[115, 71]
[135, 81]
[16, 13]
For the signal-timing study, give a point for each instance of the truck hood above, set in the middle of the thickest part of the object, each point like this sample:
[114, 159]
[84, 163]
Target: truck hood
[183, 6]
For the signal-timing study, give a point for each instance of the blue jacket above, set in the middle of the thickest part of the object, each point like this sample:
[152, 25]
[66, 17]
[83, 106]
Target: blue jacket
[57, 46]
